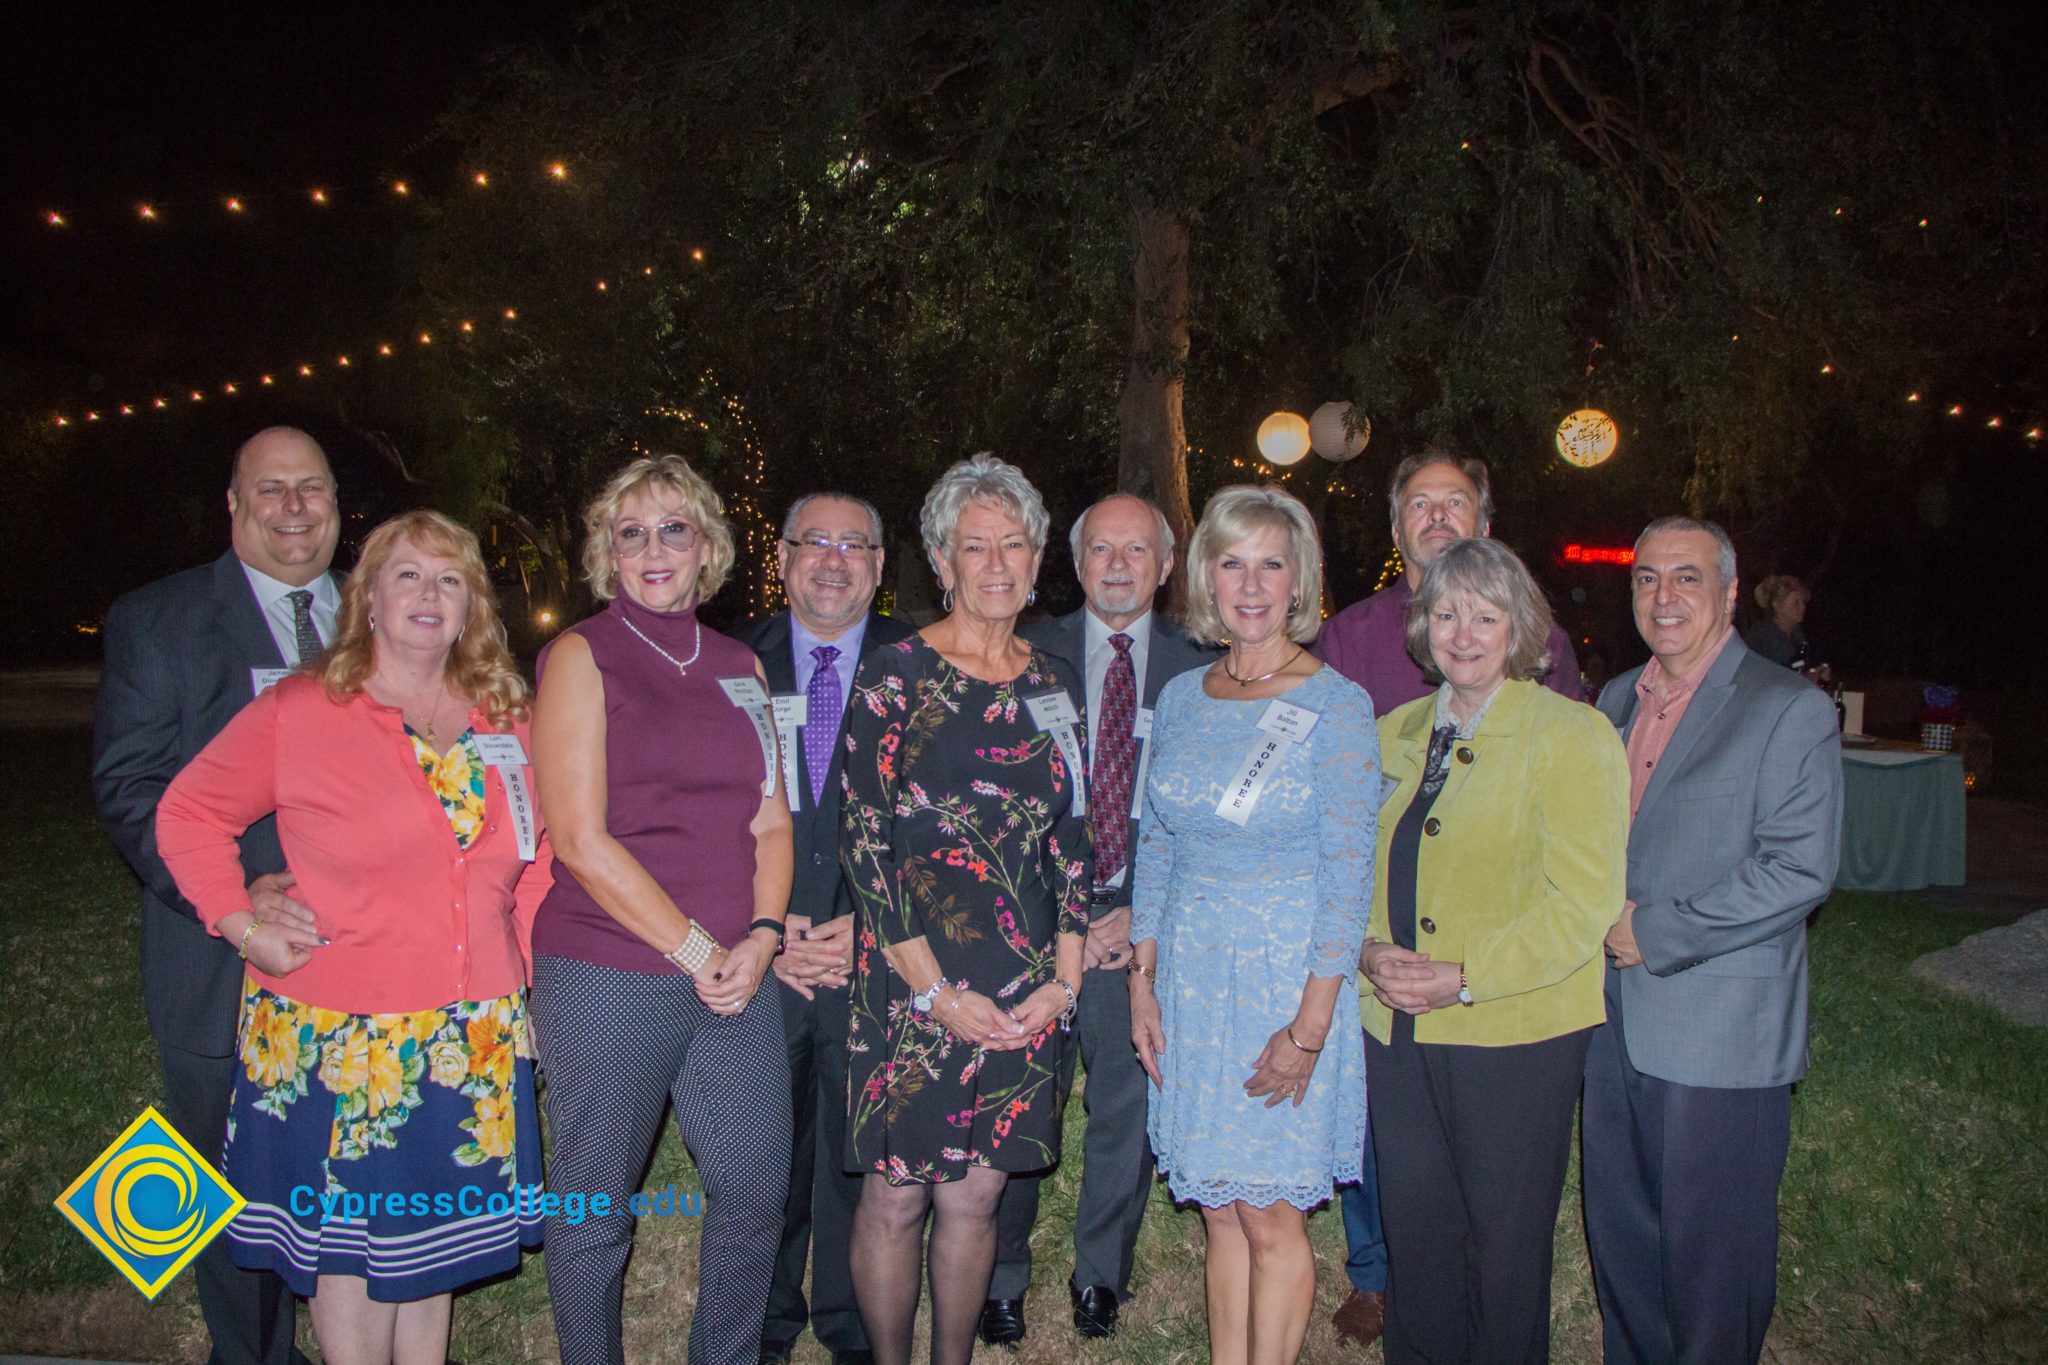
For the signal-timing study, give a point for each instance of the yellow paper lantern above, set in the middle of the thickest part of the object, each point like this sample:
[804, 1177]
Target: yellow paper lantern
[1283, 438]
[1587, 437]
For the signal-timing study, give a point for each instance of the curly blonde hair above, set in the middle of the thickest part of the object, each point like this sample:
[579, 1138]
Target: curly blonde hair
[700, 500]
[480, 665]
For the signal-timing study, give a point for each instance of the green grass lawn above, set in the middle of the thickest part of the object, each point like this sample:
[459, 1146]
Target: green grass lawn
[1915, 1204]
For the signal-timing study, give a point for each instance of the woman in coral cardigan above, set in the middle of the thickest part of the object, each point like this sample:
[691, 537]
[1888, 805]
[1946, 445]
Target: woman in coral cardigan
[384, 1129]
[1502, 847]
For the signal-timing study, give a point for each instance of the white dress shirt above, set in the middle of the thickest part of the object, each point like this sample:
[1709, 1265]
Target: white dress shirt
[274, 597]
[1096, 633]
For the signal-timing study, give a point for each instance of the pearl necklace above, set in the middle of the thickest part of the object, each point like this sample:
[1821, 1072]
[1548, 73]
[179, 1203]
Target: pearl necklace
[682, 665]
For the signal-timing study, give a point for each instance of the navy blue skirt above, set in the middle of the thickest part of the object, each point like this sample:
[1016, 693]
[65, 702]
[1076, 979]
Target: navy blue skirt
[403, 1149]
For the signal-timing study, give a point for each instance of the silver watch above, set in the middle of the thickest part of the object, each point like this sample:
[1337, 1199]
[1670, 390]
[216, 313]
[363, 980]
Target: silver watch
[922, 1001]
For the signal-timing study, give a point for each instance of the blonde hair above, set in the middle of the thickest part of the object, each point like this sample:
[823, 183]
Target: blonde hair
[1493, 573]
[1776, 589]
[700, 501]
[480, 665]
[1233, 514]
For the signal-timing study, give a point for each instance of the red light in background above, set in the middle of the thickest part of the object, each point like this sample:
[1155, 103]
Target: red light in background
[1599, 554]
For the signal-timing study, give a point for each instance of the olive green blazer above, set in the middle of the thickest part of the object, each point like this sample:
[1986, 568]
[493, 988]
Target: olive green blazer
[1525, 872]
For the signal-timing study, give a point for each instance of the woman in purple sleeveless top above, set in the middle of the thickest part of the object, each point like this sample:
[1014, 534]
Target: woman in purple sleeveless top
[655, 756]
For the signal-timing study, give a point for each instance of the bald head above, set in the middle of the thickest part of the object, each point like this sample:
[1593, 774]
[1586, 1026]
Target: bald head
[282, 511]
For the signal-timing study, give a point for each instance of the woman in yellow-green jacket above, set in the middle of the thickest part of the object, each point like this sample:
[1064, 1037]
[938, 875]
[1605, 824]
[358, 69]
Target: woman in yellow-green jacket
[1503, 844]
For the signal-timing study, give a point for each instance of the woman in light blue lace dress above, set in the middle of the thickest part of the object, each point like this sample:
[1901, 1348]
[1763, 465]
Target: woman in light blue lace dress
[1253, 883]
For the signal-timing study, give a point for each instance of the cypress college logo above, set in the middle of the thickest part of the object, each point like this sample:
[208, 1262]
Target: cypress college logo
[150, 1203]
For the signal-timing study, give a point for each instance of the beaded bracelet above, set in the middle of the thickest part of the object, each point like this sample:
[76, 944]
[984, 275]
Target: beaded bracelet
[694, 951]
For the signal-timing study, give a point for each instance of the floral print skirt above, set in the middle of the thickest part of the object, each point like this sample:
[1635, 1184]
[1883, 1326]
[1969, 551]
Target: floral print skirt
[403, 1149]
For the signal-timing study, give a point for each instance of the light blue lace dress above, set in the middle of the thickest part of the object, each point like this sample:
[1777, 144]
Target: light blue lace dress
[1243, 916]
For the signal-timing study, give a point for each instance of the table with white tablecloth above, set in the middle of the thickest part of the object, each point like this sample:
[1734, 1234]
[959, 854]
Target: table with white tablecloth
[1902, 818]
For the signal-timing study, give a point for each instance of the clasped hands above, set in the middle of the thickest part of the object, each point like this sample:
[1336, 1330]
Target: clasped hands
[1405, 980]
[815, 955]
[974, 1018]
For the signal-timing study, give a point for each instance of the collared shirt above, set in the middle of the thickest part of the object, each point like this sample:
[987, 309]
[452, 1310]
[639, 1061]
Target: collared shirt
[1096, 632]
[275, 599]
[1368, 643]
[1661, 702]
[802, 642]
[1463, 729]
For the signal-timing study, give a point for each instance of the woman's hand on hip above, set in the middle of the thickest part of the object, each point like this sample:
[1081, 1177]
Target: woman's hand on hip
[1282, 1071]
[1148, 1035]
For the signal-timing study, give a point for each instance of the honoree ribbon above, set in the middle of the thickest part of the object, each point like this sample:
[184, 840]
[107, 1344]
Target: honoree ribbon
[1284, 725]
[1141, 731]
[1054, 714]
[792, 714]
[752, 699]
[508, 756]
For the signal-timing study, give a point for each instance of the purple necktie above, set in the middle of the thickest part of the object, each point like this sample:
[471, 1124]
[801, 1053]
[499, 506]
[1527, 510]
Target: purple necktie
[1116, 755]
[823, 702]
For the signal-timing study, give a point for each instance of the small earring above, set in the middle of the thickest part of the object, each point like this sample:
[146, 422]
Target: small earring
[373, 625]
[946, 600]
[1031, 598]
[1293, 602]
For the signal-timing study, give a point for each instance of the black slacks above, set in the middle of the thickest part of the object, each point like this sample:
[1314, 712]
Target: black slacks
[1472, 1145]
[250, 1314]
[817, 1218]
[1681, 1209]
[1116, 1159]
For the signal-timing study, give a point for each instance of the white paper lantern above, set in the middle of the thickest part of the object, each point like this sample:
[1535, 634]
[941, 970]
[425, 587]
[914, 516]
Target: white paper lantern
[1283, 438]
[1329, 437]
[1587, 437]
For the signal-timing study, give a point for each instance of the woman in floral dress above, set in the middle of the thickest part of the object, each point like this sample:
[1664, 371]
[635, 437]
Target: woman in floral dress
[384, 1129]
[966, 843]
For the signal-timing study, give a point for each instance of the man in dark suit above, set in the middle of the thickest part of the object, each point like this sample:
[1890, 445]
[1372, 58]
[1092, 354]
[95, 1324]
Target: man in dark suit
[831, 562]
[1123, 551]
[1735, 831]
[182, 656]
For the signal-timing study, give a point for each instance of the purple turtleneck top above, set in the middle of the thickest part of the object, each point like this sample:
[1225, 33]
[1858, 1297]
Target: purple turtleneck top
[683, 775]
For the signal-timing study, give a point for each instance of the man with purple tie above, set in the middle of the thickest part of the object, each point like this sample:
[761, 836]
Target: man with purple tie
[831, 562]
[1123, 551]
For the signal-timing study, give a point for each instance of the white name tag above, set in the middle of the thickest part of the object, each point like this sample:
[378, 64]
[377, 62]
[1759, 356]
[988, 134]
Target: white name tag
[1388, 786]
[508, 756]
[1286, 725]
[1054, 714]
[1141, 731]
[261, 680]
[752, 699]
[792, 713]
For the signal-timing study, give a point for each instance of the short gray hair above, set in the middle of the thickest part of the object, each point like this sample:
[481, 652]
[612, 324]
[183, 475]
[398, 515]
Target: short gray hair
[792, 521]
[1233, 514]
[1165, 527]
[979, 478]
[1724, 556]
[1489, 570]
[1475, 470]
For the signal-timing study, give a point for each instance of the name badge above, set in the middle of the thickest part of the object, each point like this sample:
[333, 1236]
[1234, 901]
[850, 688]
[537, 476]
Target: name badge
[1141, 731]
[1054, 714]
[752, 699]
[508, 756]
[792, 713]
[1388, 786]
[1285, 726]
[261, 680]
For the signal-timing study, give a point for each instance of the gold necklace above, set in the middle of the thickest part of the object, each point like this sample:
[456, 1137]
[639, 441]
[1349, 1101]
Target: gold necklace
[1247, 682]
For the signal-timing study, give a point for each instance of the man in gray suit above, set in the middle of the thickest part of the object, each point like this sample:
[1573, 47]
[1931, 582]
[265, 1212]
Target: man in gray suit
[1123, 551]
[1736, 799]
[182, 656]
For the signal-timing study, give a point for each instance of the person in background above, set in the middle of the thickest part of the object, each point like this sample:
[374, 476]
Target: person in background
[1735, 796]
[387, 1057]
[660, 775]
[831, 562]
[1249, 905]
[966, 844]
[1434, 500]
[1780, 633]
[180, 657]
[1123, 551]
[1499, 877]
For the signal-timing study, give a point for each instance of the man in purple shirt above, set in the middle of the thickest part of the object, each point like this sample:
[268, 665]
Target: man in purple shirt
[1435, 499]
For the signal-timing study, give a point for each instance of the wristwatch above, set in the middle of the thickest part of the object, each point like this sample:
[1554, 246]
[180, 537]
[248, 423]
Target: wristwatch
[1464, 990]
[922, 1001]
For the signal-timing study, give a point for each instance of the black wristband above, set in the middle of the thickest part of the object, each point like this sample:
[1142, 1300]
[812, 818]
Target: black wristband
[781, 930]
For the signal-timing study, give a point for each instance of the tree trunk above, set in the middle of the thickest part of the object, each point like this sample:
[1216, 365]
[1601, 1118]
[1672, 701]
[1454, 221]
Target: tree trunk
[1153, 444]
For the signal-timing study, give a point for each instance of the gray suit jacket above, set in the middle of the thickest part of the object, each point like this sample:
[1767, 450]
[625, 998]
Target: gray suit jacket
[1169, 654]
[1735, 843]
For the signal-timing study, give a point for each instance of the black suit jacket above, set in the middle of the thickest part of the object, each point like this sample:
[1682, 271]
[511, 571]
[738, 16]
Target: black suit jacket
[1169, 654]
[819, 890]
[178, 656]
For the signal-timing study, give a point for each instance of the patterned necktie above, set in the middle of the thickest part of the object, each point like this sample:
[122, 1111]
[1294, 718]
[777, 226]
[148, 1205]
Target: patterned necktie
[302, 625]
[1116, 757]
[822, 704]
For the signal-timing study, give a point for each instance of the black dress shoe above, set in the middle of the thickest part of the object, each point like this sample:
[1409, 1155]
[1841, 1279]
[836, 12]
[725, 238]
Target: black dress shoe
[776, 1352]
[853, 1358]
[1094, 1310]
[1002, 1322]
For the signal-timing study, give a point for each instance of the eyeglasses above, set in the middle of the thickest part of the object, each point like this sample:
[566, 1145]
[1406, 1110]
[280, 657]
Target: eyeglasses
[819, 545]
[676, 535]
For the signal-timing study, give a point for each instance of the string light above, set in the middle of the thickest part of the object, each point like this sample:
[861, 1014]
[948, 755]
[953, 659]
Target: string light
[384, 348]
[697, 254]
[234, 205]
[426, 338]
[1913, 397]
[127, 410]
[229, 389]
[511, 315]
[602, 286]
[268, 380]
[482, 180]
[1995, 422]
[305, 371]
[1956, 410]
[468, 326]
[343, 362]
[198, 397]
[319, 196]
[55, 219]
[92, 417]
[559, 171]
[2034, 433]
[161, 403]
[1827, 369]
[145, 212]
[400, 188]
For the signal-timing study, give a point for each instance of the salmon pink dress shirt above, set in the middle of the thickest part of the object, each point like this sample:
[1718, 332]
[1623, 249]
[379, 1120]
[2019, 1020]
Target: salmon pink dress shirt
[415, 921]
[1661, 703]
